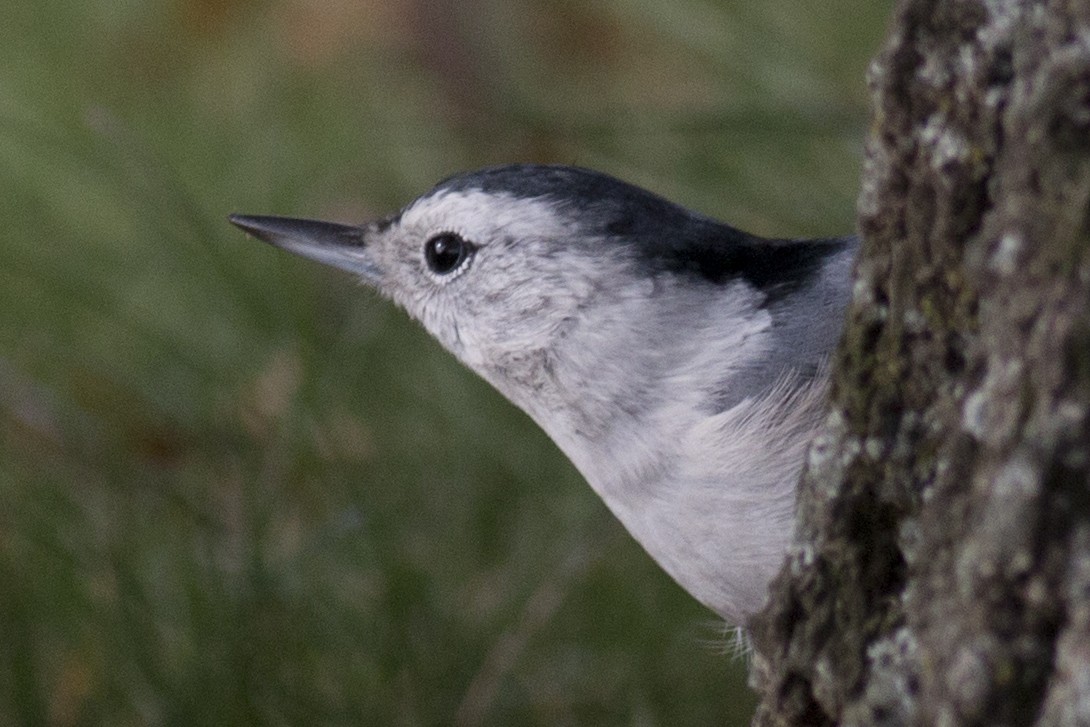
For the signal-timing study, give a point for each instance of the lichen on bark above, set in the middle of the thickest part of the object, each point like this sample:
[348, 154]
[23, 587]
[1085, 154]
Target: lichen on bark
[942, 572]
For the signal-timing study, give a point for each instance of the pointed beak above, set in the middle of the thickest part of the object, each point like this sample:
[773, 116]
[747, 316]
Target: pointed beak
[341, 246]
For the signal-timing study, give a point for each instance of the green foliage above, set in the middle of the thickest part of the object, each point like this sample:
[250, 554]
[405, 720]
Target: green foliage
[239, 490]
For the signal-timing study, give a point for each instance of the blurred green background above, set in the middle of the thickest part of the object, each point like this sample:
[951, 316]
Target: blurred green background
[235, 488]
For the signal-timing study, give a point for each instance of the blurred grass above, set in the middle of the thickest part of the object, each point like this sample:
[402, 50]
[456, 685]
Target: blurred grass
[236, 488]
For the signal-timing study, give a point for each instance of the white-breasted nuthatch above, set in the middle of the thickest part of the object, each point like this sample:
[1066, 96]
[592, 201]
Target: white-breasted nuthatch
[678, 362]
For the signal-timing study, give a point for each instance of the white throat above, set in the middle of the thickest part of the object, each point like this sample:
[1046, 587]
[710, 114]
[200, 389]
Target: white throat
[670, 422]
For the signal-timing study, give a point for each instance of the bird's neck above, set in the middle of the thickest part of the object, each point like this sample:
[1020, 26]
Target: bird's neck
[671, 422]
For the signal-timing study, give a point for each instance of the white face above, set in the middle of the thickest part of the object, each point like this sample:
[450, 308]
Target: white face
[549, 302]
[501, 306]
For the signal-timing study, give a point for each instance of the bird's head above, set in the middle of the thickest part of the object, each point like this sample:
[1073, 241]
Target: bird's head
[505, 264]
[500, 264]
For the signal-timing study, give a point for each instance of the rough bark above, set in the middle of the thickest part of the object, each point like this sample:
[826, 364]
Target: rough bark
[943, 570]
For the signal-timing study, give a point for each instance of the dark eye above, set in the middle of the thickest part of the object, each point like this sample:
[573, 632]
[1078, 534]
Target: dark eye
[446, 252]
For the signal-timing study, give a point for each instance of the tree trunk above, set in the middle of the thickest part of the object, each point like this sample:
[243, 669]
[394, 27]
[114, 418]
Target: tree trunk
[942, 574]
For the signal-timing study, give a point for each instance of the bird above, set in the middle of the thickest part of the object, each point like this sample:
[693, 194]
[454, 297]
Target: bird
[681, 364]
